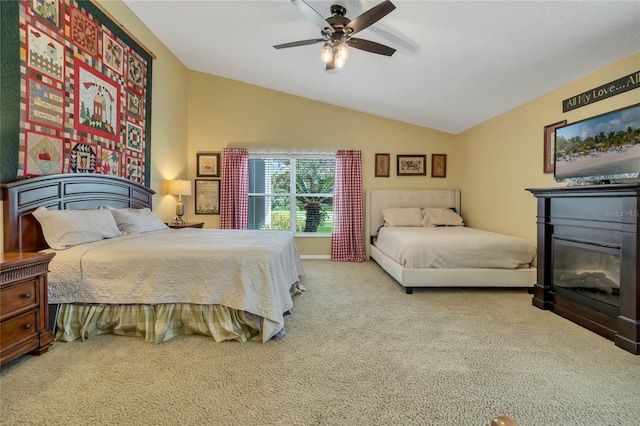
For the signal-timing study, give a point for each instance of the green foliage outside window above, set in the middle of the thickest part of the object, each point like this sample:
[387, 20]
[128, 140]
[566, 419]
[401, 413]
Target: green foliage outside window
[314, 179]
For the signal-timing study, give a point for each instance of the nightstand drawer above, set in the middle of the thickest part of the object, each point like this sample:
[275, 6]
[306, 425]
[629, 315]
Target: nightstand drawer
[23, 305]
[18, 297]
[18, 328]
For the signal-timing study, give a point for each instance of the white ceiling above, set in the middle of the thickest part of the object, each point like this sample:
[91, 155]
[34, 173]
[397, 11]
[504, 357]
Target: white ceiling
[457, 64]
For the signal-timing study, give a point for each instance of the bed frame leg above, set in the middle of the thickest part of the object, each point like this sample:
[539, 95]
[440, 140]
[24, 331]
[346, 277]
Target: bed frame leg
[53, 318]
[409, 290]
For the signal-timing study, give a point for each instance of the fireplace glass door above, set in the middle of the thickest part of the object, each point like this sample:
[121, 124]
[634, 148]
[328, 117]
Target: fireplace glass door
[587, 274]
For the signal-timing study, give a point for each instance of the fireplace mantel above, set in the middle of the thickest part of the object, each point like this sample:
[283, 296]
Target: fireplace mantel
[605, 218]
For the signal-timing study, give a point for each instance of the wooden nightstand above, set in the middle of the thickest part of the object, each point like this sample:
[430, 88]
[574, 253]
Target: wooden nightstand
[23, 305]
[186, 225]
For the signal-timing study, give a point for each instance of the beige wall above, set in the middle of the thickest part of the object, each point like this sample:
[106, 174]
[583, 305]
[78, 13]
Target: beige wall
[226, 113]
[491, 163]
[501, 157]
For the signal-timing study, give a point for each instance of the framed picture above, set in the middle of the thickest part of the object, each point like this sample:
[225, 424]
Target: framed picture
[208, 164]
[549, 145]
[439, 165]
[412, 165]
[382, 165]
[207, 196]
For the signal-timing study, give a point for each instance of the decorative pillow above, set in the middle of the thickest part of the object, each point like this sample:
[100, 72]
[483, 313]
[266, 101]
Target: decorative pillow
[66, 228]
[411, 216]
[136, 221]
[441, 217]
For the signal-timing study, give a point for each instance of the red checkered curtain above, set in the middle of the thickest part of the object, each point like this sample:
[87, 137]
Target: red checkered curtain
[347, 238]
[234, 191]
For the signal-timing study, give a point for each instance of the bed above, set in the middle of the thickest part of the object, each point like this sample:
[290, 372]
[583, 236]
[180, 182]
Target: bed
[472, 267]
[228, 284]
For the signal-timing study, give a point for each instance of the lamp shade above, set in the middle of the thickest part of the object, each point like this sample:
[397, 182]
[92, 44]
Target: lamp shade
[179, 187]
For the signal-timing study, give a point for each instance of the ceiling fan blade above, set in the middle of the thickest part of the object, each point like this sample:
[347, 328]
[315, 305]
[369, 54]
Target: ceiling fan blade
[401, 41]
[311, 14]
[298, 43]
[371, 46]
[369, 17]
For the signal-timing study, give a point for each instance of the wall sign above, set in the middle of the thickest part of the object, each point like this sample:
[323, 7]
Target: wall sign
[621, 85]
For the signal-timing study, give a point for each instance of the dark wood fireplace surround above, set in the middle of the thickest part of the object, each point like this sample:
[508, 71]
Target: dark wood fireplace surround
[601, 216]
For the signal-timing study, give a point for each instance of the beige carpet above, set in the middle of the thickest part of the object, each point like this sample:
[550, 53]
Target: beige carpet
[358, 351]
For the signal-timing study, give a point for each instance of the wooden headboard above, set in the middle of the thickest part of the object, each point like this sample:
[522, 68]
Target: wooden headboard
[379, 199]
[64, 191]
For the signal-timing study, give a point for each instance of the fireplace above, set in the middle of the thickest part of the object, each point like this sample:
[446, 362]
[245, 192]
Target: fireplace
[587, 274]
[588, 258]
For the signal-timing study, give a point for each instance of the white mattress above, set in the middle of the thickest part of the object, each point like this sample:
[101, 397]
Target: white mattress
[246, 270]
[454, 247]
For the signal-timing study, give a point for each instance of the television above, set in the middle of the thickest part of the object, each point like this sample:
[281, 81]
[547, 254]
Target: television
[601, 149]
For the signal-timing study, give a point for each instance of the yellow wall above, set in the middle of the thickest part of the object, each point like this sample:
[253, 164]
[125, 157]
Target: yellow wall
[501, 157]
[226, 113]
[168, 113]
[491, 163]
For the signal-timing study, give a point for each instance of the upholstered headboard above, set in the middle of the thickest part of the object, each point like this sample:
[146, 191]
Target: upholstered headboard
[379, 199]
[65, 191]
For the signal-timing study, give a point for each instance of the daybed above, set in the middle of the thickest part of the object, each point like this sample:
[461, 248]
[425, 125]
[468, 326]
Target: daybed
[231, 285]
[460, 260]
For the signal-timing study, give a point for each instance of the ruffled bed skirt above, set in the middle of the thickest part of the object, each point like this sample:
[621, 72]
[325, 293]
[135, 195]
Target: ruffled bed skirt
[157, 323]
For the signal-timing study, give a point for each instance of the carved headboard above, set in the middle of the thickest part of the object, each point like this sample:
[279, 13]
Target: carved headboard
[65, 191]
[379, 199]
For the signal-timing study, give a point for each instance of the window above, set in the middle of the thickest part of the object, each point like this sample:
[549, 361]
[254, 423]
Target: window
[291, 192]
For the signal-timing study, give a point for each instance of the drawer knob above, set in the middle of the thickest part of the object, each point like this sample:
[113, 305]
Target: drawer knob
[27, 326]
[27, 295]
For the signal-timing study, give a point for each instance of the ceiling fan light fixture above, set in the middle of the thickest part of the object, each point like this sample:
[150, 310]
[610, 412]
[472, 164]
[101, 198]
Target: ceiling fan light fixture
[327, 53]
[343, 49]
[337, 32]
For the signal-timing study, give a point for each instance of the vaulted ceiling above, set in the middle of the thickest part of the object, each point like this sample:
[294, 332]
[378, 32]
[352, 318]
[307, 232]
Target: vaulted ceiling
[457, 63]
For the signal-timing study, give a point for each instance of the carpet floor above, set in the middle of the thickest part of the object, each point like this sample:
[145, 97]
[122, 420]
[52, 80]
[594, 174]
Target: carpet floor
[357, 351]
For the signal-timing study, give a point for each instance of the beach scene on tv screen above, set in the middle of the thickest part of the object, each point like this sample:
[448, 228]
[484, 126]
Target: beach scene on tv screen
[607, 145]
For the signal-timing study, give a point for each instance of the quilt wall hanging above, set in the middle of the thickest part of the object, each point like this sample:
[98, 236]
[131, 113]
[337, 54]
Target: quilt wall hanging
[76, 92]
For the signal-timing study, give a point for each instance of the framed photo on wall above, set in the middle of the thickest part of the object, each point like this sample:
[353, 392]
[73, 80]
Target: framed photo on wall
[207, 196]
[439, 165]
[412, 165]
[549, 145]
[383, 165]
[208, 164]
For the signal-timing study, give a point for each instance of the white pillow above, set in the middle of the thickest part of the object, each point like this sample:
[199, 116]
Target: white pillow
[136, 221]
[441, 217]
[411, 216]
[66, 228]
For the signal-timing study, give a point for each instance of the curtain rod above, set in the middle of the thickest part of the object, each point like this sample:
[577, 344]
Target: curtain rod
[121, 26]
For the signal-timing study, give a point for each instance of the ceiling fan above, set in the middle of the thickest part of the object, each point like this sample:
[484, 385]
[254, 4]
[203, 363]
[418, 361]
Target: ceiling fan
[337, 32]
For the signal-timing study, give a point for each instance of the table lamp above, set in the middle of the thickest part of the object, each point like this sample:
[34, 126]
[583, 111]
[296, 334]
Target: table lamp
[180, 187]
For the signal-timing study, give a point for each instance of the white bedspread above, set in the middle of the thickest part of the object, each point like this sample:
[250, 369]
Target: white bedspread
[454, 247]
[245, 270]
